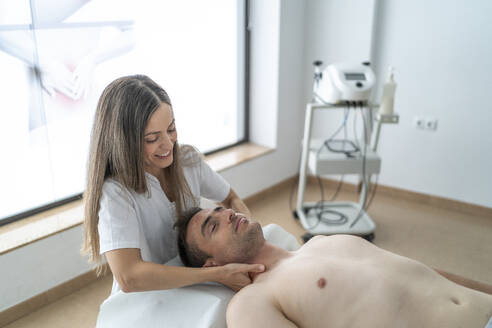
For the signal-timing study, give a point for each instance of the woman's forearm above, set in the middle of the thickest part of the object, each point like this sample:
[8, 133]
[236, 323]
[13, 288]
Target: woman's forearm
[238, 205]
[145, 276]
[233, 201]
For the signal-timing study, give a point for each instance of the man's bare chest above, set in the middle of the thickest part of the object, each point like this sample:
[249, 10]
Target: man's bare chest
[321, 281]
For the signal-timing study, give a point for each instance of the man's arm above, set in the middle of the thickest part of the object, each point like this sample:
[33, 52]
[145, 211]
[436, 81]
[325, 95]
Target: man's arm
[248, 309]
[469, 283]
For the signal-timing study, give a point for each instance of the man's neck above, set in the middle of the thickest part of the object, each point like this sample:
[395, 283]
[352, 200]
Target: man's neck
[269, 255]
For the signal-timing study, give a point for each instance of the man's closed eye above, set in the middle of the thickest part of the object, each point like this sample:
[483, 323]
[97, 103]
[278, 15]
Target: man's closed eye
[212, 229]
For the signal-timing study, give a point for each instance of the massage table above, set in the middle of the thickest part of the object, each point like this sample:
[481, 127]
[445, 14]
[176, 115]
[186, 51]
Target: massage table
[198, 306]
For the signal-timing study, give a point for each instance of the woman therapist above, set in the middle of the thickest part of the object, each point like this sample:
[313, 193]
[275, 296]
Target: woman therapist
[139, 180]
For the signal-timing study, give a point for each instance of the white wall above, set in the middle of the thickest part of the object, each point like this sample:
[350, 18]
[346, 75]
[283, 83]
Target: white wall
[37, 267]
[276, 99]
[277, 94]
[442, 52]
[336, 30]
[264, 55]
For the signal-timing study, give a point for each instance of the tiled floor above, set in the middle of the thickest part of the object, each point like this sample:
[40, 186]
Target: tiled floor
[445, 239]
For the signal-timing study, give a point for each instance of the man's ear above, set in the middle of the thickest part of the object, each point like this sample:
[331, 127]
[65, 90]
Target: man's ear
[210, 262]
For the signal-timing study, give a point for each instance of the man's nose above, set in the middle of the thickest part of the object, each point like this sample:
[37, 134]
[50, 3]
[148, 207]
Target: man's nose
[228, 214]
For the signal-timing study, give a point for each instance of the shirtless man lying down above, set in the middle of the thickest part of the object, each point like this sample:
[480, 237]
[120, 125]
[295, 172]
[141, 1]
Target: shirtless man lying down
[336, 281]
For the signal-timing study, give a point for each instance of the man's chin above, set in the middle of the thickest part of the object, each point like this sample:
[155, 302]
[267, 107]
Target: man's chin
[257, 227]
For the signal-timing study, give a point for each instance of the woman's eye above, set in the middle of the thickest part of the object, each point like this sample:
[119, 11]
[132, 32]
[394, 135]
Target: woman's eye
[213, 227]
[151, 140]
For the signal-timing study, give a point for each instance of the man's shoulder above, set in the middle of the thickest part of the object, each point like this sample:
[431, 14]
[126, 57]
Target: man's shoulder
[259, 301]
[249, 293]
[314, 239]
[249, 296]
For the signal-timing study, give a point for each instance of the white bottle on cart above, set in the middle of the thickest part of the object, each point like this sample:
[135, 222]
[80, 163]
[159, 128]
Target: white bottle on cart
[388, 98]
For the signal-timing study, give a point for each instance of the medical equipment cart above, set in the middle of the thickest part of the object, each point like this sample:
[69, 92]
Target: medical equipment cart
[321, 161]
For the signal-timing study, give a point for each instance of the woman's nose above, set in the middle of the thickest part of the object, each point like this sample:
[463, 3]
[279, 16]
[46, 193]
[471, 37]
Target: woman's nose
[167, 142]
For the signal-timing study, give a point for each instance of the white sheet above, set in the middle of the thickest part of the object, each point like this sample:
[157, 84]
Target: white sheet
[202, 305]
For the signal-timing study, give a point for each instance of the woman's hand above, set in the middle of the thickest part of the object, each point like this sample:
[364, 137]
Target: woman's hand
[236, 275]
[233, 201]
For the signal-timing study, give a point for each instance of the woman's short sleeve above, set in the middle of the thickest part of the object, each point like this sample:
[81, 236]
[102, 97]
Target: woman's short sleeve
[118, 223]
[212, 185]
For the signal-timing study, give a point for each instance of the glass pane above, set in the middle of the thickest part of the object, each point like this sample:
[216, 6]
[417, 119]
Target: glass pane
[66, 53]
[25, 169]
[190, 48]
[56, 73]
[15, 12]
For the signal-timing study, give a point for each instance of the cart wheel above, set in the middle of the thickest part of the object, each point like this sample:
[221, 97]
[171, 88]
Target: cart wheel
[306, 237]
[294, 214]
[369, 237]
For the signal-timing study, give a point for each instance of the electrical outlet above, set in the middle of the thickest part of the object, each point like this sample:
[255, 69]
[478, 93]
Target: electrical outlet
[431, 124]
[425, 123]
[419, 122]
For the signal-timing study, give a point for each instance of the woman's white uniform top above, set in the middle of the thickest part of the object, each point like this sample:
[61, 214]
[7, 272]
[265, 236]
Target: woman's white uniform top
[145, 220]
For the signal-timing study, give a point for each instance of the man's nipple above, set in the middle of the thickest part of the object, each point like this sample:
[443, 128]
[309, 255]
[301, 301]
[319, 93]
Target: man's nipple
[321, 282]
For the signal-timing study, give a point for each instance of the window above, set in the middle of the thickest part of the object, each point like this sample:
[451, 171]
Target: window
[57, 57]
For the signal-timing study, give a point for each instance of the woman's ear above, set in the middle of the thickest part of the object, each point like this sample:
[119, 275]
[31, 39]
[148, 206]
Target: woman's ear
[210, 262]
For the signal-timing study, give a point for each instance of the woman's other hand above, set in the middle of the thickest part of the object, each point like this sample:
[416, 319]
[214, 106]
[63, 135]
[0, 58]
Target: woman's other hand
[233, 201]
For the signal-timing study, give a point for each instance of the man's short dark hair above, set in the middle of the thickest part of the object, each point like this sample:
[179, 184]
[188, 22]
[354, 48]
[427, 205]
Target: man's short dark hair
[189, 253]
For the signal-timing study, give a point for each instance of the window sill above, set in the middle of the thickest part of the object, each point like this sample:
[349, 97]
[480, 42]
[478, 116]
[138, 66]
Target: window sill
[23, 232]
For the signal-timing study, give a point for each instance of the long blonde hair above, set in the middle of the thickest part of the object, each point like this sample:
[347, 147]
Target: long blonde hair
[116, 148]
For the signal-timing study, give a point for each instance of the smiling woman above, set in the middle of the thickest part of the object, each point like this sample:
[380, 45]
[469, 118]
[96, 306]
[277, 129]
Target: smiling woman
[139, 180]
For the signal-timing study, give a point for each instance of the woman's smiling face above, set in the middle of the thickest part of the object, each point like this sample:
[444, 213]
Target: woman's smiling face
[159, 138]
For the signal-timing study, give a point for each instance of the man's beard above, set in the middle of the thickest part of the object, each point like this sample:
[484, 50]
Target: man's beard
[247, 246]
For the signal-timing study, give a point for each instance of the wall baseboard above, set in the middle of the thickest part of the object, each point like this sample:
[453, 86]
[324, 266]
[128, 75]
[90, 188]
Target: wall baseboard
[51, 295]
[442, 202]
[437, 201]
[71, 286]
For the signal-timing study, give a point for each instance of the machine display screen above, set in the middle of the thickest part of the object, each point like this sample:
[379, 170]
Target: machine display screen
[355, 76]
